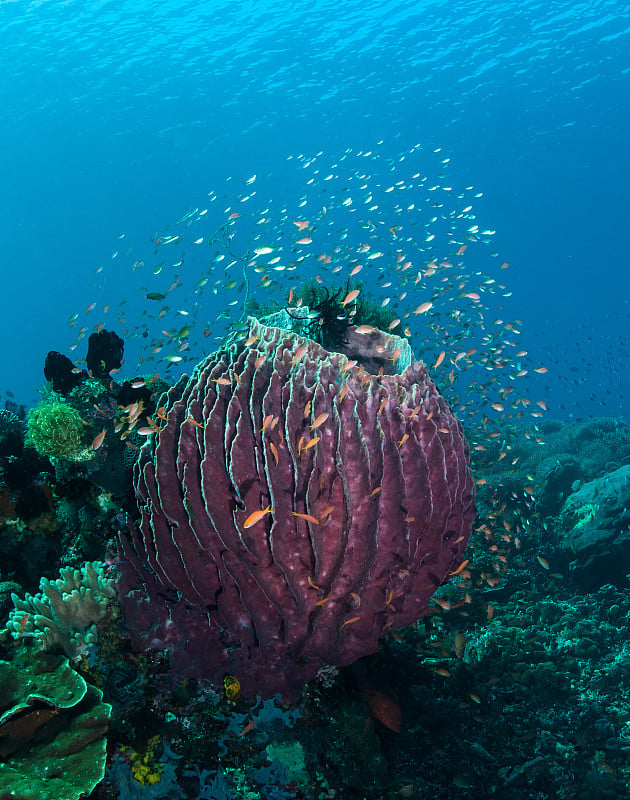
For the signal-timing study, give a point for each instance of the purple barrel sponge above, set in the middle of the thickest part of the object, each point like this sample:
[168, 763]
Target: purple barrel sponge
[293, 508]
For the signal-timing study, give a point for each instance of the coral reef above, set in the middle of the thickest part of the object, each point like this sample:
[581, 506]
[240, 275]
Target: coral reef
[56, 430]
[64, 614]
[300, 507]
[593, 537]
[11, 433]
[105, 353]
[86, 422]
[513, 685]
[52, 729]
[21, 471]
[61, 373]
[553, 456]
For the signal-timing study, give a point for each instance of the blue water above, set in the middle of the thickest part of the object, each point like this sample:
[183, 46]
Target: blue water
[119, 116]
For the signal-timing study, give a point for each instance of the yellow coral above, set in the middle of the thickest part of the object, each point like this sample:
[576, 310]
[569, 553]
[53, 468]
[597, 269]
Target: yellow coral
[144, 767]
[232, 688]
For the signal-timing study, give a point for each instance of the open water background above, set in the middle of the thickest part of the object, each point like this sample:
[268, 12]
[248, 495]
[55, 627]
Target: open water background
[119, 115]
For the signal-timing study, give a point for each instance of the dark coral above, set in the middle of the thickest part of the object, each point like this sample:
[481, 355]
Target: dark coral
[22, 469]
[12, 432]
[105, 353]
[329, 318]
[61, 372]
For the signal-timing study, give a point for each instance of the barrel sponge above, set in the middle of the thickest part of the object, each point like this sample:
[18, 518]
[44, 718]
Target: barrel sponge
[295, 506]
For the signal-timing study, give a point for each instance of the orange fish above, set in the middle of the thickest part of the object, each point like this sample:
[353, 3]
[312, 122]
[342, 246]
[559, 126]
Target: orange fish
[319, 420]
[256, 516]
[440, 358]
[250, 725]
[307, 517]
[462, 566]
[350, 297]
[193, 422]
[326, 512]
[311, 443]
[98, 440]
[323, 601]
[384, 709]
[459, 644]
[299, 353]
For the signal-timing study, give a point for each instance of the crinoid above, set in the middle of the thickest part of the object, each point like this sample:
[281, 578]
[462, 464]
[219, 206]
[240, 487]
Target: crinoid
[329, 318]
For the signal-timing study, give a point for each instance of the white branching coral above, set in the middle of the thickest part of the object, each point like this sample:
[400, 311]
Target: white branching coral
[64, 613]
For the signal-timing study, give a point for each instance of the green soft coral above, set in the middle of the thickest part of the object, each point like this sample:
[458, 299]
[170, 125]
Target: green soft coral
[63, 615]
[57, 430]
